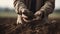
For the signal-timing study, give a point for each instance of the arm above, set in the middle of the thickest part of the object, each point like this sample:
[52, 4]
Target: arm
[19, 6]
[45, 10]
[48, 7]
[22, 11]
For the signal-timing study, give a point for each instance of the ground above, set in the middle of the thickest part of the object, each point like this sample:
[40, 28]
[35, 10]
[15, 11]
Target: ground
[8, 22]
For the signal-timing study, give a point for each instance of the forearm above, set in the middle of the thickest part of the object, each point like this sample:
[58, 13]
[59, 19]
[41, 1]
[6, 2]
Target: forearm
[48, 7]
[19, 6]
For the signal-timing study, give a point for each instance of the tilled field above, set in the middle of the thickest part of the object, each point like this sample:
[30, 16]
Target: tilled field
[8, 26]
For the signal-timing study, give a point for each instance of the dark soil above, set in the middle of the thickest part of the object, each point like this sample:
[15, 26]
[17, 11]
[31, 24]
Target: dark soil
[8, 26]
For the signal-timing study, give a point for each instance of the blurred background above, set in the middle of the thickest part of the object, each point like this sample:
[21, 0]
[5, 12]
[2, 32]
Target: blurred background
[7, 13]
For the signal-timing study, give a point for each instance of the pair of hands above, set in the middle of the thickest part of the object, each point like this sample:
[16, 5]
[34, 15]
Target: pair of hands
[28, 16]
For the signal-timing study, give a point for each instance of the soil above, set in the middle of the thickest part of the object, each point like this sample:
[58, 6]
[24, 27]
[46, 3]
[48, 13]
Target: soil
[8, 25]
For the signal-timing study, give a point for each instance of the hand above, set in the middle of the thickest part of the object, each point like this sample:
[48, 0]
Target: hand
[38, 15]
[25, 18]
[27, 15]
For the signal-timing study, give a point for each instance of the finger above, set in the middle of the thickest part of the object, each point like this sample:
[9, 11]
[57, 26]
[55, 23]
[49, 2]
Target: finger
[23, 16]
[26, 20]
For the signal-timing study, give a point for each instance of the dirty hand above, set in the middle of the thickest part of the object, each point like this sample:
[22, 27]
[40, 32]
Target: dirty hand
[38, 15]
[27, 15]
[27, 12]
